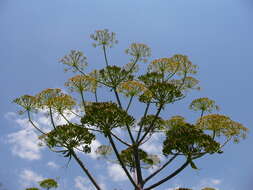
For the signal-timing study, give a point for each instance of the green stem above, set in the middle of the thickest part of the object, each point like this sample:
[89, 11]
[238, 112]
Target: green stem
[152, 124]
[160, 169]
[96, 96]
[83, 102]
[168, 177]
[30, 120]
[86, 171]
[129, 103]
[140, 129]
[121, 162]
[51, 117]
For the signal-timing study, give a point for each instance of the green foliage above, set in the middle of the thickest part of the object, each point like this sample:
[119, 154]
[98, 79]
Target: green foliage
[112, 76]
[32, 188]
[69, 136]
[164, 81]
[106, 116]
[188, 140]
[45, 184]
[147, 161]
[159, 123]
[48, 184]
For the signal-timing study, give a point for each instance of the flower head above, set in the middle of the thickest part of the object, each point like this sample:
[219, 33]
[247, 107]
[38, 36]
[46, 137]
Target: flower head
[203, 104]
[80, 83]
[104, 38]
[28, 102]
[75, 60]
[139, 51]
[132, 88]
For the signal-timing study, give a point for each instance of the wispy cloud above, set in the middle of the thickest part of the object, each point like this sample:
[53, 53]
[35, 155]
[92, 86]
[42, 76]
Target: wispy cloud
[82, 184]
[116, 173]
[28, 178]
[24, 142]
[53, 165]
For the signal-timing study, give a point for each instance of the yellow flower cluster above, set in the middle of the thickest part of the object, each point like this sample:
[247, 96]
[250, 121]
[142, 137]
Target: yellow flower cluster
[82, 83]
[132, 88]
[204, 104]
[175, 121]
[55, 99]
[164, 65]
[222, 125]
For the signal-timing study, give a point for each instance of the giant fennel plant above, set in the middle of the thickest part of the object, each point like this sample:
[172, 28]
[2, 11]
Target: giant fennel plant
[166, 80]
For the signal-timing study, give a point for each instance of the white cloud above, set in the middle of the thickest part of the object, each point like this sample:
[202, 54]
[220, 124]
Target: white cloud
[216, 181]
[154, 146]
[29, 177]
[82, 183]
[116, 172]
[53, 165]
[25, 144]
[94, 145]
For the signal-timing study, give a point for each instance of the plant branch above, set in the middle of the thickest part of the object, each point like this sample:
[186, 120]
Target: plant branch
[152, 124]
[119, 139]
[120, 161]
[138, 165]
[86, 171]
[83, 102]
[140, 129]
[169, 176]
[161, 168]
[129, 103]
[51, 117]
[30, 120]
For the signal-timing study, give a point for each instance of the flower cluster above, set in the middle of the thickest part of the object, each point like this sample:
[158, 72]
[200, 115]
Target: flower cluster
[105, 116]
[222, 125]
[29, 103]
[188, 140]
[131, 88]
[75, 60]
[139, 51]
[104, 38]
[80, 83]
[69, 136]
[163, 65]
[204, 104]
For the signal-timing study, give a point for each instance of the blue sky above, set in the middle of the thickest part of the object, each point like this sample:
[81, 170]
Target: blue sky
[34, 35]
